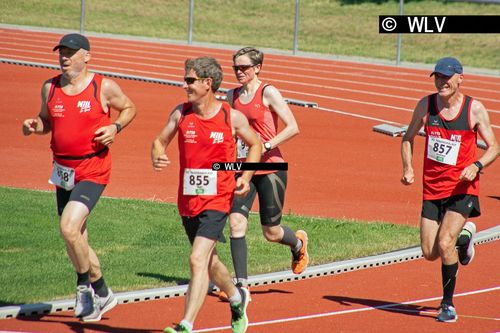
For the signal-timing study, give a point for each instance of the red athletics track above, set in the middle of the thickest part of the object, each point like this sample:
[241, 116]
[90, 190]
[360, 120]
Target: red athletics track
[338, 166]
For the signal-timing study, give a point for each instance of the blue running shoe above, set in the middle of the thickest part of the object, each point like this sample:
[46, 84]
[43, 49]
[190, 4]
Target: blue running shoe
[447, 314]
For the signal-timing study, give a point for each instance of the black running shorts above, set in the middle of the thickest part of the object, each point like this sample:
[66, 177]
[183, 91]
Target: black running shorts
[465, 204]
[209, 224]
[85, 192]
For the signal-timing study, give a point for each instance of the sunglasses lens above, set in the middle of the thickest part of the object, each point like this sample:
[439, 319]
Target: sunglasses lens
[242, 68]
[189, 80]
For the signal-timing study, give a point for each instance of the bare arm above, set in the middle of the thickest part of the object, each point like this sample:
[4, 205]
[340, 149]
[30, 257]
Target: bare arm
[416, 123]
[114, 98]
[481, 121]
[158, 156]
[244, 131]
[274, 100]
[41, 124]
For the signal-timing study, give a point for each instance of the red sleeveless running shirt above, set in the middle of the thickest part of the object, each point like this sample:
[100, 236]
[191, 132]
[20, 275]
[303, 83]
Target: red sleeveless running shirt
[450, 146]
[73, 120]
[263, 121]
[201, 143]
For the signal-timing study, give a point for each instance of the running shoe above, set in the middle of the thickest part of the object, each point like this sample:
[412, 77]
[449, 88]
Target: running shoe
[84, 304]
[447, 314]
[300, 260]
[466, 251]
[178, 328]
[239, 318]
[223, 296]
[101, 306]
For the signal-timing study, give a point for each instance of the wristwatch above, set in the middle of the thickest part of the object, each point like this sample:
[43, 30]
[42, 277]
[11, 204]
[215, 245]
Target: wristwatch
[479, 165]
[118, 127]
[267, 146]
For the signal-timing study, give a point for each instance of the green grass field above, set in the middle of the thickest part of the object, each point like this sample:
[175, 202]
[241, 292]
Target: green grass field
[333, 27]
[142, 244]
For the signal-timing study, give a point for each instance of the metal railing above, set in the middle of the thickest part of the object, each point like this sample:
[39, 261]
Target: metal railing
[295, 47]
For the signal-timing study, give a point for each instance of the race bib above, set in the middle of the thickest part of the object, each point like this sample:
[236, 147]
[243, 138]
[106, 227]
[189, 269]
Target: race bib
[200, 182]
[443, 150]
[62, 176]
[242, 149]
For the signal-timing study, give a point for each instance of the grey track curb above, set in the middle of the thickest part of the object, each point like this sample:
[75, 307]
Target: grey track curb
[340, 267]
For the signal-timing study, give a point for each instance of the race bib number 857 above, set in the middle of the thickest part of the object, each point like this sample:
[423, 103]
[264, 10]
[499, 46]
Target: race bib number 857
[443, 150]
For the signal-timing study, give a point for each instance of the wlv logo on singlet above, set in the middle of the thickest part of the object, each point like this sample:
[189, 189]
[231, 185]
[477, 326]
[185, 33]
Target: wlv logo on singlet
[84, 106]
[217, 136]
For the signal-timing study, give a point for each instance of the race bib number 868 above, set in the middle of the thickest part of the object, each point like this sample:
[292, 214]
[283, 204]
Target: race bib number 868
[62, 176]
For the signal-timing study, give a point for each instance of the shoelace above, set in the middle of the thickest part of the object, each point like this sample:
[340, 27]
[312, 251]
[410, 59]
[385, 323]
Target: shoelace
[82, 297]
[447, 311]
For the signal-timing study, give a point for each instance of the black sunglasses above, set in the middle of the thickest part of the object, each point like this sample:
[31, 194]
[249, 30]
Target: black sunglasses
[242, 68]
[191, 80]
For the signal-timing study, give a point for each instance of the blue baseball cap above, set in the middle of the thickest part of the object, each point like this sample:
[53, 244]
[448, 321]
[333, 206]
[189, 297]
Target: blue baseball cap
[448, 66]
[73, 41]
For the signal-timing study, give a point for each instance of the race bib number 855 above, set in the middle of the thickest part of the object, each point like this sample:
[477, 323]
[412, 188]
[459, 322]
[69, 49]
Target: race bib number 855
[443, 150]
[200, 182]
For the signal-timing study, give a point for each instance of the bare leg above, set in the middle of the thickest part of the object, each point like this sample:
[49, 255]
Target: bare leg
[428, 238]
[220, 276]
[201, 254]
[73, 230]
[451, 226]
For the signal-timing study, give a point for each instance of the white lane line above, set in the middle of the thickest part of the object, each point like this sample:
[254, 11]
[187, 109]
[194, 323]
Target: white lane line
[358, 116]
[122, 69]
[363, 309]
[364, 92]
[112, 57]
[350, 66]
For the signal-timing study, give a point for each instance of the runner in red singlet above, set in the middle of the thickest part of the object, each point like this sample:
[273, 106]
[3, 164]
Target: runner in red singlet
[264, 106]
[451, 122]
[76, 110]
[206, 131]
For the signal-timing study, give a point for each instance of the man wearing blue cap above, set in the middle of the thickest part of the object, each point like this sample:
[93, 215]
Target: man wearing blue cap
[451, 173]
[75, 108]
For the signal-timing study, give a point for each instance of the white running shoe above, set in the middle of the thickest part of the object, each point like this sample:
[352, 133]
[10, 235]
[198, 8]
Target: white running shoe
[102, 305]
[84, 304]
[466, 252]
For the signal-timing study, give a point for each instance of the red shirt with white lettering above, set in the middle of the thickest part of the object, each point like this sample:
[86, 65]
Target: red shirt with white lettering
[201, 143]
[73, 120]
[450, 146]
